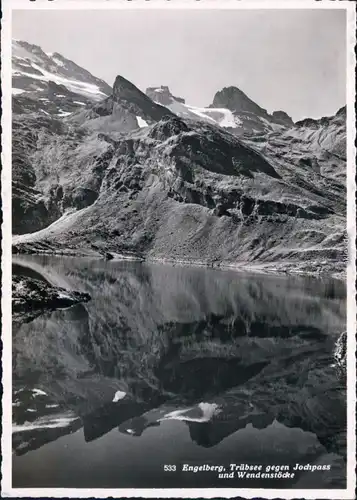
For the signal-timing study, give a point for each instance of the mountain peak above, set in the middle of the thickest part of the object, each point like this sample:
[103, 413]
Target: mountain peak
[128, 106]
[122, 86]
[236, 100]
[162, 95]
[126, 92]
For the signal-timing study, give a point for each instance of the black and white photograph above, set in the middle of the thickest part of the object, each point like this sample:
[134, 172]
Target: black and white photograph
[179, 220]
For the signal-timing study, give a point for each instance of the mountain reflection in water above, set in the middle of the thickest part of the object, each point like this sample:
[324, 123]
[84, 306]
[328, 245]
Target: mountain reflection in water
[203, 366]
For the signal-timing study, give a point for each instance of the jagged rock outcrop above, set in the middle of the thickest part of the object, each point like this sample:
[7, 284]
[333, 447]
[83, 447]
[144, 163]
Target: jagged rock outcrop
[162, 95]
[32, 297]
[128, 95]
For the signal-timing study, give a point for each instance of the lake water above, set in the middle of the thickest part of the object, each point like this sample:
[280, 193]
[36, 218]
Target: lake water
[172, 366]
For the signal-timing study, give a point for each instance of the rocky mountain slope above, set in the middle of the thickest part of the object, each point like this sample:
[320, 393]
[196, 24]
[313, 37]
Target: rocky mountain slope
[318, 145]
[50, 83]
[126, 175]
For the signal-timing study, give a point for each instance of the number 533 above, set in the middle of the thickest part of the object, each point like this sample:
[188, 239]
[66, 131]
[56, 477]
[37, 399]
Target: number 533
[169, 468]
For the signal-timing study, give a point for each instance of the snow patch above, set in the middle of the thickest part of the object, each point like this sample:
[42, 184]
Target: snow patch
[63, 295]
[217, 116]
[16, 91]
[203, 412]
[141, 122]
[87, 89]
[118, 396]
[38, 392]
[63, 113]
[44, 424]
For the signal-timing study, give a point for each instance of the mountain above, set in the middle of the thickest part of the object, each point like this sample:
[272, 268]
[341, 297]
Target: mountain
[145, 175]
[231, 109]
[222, 117]
[253, 117]
[59, 84]
[126, 109]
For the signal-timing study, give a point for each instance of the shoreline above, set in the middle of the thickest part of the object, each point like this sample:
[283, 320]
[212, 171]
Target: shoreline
[275, 269]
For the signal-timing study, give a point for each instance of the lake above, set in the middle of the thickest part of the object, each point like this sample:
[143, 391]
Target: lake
[178, 367]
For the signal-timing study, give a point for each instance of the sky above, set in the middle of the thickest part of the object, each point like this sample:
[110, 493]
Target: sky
[291, 60]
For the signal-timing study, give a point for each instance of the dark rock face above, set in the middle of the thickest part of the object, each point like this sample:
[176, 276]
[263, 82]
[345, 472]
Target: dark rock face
[283, 118]
[125, 90]
[236, 100]
[38, 154]
[31, 297]
[29, 208]
[131, 98]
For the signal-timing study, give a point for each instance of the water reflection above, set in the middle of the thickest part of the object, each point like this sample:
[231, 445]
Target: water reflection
[216, 353]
